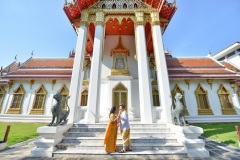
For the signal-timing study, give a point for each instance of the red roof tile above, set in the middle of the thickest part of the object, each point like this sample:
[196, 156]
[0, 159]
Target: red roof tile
[50, 63]
[192, 62]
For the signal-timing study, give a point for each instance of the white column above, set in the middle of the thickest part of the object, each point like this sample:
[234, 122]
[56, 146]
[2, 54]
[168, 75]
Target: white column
[162, 73]
[145, 93]
[95, 75]
[77, 74]
[131, 113]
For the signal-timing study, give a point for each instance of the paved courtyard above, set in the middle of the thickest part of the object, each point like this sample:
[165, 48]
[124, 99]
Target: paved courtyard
[22, 151]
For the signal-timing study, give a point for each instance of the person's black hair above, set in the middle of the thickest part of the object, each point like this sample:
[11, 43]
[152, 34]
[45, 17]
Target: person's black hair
[122, 106]
[113, 109]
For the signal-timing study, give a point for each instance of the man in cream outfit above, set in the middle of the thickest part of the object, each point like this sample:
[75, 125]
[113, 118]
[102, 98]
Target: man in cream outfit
[124, 128]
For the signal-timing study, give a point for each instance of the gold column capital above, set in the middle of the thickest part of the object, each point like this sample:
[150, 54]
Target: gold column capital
[100, 18]
[140, 18]
[155, 20]
[84, 18]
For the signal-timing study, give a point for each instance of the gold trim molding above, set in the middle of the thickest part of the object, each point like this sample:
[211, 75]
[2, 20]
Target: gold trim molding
[31, 82]
[53, 83]
[233, 86]
[210, 82]
[187, 81]
[85, 82]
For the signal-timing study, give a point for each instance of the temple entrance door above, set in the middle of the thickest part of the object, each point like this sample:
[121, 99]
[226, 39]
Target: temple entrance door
[120, 95]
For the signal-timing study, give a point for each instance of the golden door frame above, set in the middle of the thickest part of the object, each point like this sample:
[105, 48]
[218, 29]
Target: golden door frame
[119, 91]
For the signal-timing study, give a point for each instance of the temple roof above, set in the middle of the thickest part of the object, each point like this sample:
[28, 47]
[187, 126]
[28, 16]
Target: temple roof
[73, 9]
[42, 68]
[198, 68]
[178, 68]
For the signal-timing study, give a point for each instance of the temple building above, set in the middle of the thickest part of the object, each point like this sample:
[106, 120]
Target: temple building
[120, 59]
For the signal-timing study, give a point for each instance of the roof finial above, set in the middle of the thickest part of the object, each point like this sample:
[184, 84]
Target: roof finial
[174, 2]
[32, 53]
[15, 58]
[65, 2]
[209, 53]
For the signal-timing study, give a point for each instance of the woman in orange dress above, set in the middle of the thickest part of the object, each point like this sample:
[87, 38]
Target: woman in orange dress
[111, 132]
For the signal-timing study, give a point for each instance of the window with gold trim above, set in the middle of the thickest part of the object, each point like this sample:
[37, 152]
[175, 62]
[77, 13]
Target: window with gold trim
[2, 95]
[64, 92]
[39, 101]
[155, 94]
[202, 101]
[84, 98]
[225, 100]
[177, 89]
[17, 101]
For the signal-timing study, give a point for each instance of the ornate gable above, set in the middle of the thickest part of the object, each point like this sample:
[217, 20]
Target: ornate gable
[120, 4]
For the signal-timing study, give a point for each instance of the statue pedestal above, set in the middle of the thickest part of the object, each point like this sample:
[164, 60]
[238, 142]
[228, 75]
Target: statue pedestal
[188, 137]
[50, 136]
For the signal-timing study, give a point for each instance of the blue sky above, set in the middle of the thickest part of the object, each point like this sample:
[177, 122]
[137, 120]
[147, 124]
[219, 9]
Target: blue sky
[198, 26]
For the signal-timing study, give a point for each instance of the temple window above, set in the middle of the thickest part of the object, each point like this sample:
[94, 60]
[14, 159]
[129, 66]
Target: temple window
[64, 92]
[2, 95]
[39, 101]
[119, 55]
[225, 100]
[84, 98]
[202, 101]
[177, 89]
[155, 94]
[114, 6]
[135, 5]
[103, 6]
[16, 105]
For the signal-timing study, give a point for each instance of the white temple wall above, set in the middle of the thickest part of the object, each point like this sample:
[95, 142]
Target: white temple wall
[106, 99]
[29, 96]
[110, 43]
[213, 97]
[6, 100]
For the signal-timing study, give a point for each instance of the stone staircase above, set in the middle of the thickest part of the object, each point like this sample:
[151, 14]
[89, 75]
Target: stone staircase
[149, 141]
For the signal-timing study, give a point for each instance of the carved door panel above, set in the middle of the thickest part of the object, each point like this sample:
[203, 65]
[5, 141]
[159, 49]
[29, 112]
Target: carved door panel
[120, 97]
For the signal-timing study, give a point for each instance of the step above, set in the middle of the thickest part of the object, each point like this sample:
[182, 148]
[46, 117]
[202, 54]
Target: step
[99, 129]
[101, 134]
[119, 140]
[104, 125]
[139, 154]
[135, 146]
